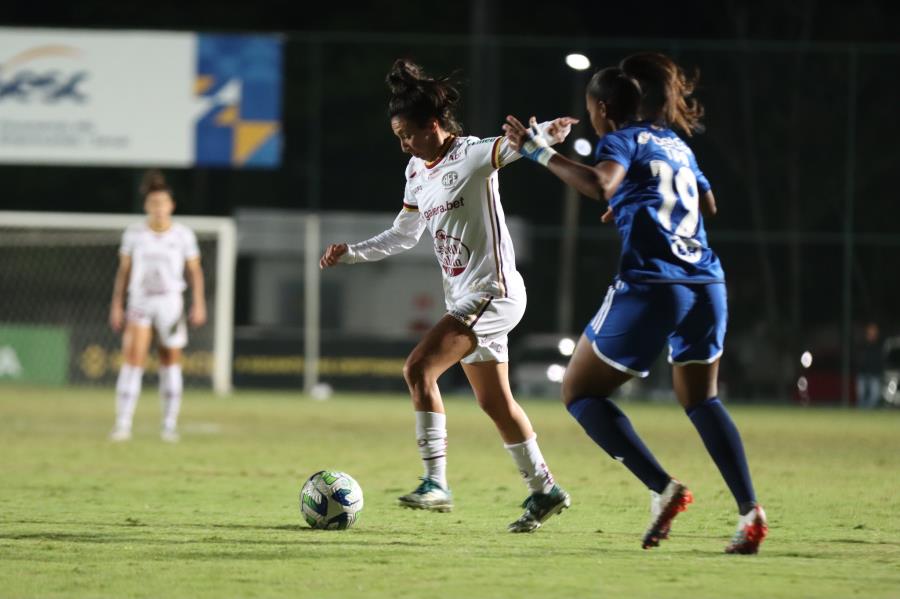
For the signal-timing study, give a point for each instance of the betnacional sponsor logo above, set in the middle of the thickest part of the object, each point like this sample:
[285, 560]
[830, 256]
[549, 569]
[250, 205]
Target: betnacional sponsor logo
[451, 252]
[446, 207]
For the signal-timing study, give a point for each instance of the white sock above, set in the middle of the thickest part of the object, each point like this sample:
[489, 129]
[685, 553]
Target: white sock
[128, 390]
[530, 462]
[170, 386]
[431, 436]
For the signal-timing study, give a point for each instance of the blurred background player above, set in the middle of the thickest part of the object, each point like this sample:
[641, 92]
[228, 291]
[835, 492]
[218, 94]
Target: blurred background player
[869, 358]
[452, 189]
[153, 258]
[670, 286]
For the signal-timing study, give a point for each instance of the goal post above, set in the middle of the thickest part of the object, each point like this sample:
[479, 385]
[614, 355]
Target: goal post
[27, 236]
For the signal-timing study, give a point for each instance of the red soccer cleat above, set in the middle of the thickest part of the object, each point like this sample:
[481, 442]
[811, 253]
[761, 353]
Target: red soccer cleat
[663, 509]
[751, 530]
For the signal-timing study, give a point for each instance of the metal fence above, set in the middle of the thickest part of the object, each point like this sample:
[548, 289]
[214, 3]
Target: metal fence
[800, 149]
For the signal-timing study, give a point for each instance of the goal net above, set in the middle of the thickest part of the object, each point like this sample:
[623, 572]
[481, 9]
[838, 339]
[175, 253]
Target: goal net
[56, 277]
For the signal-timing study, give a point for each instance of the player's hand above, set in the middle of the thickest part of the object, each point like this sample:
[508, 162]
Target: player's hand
[530, 142]
[116, 317]
[197, 317]
[560, 128]
[332, 254]
[607, 217]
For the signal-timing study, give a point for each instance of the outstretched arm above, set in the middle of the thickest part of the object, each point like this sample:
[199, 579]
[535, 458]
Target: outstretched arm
[404, 234]
[498, 152]
[599, 182]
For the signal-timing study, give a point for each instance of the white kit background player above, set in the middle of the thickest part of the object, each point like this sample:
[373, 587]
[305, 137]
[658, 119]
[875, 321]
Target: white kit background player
[153, 259]
[452, 190]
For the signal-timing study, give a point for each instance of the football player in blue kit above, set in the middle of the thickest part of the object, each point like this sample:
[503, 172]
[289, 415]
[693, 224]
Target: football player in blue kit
[670, 288]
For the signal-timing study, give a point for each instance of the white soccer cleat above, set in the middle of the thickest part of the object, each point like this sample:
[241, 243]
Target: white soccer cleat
[120, 434]
[752, 528]
[663, 509]
[428, 496]
[169, 435]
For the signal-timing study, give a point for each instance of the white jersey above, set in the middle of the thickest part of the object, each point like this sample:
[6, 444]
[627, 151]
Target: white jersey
[158, 259]
[457, 198]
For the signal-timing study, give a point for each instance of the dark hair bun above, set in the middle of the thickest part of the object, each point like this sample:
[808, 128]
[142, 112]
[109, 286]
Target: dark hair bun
[416, 96]
[153, 180]
[404, 76]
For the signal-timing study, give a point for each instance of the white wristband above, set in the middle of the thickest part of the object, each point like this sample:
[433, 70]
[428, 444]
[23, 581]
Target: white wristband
[544, 157]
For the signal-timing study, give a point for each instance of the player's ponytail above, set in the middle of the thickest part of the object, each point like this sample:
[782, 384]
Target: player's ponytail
[417, 97]
[154, 180]
[619, 92]
[665, 91]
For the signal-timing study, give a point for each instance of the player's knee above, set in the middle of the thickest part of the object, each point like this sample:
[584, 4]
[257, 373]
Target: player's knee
[415, 371]
[570, 389]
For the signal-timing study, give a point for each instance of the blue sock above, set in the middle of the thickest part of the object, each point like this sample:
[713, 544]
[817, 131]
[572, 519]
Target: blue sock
[605, 423]
[723, 442]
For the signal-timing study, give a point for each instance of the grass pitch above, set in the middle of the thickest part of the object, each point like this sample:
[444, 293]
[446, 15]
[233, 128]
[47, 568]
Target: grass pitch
[217, 515]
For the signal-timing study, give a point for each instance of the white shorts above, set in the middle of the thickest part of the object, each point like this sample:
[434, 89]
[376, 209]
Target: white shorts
[491, 319]
[165, 313]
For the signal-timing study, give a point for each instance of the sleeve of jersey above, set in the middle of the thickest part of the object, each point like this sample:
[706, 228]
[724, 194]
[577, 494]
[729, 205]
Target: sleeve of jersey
[702, 182]
[617, 148]
[127, 246]
[403, 235]
[191, 248]
[496, 151]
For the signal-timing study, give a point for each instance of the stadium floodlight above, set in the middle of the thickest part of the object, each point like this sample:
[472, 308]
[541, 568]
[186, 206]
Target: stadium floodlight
[566, 346]
[578, 62]
[582, 147]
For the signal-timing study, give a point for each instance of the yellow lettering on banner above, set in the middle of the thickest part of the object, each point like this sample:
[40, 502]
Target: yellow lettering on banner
[95, 362]
[294, 365]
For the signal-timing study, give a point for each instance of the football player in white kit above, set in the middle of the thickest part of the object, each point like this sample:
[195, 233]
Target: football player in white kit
[452, 190]
[153, 258]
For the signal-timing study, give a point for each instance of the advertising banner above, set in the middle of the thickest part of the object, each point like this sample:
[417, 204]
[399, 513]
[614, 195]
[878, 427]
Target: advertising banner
[34, 354]
[79, 97]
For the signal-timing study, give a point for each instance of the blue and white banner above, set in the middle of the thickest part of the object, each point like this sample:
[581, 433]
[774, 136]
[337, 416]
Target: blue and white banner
[79, 97]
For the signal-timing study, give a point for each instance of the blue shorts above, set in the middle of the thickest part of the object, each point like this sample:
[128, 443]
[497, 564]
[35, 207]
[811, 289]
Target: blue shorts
[636, 319]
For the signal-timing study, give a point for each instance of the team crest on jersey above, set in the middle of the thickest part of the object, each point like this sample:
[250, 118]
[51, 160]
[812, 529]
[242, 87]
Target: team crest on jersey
[449, 179]
[451, 252]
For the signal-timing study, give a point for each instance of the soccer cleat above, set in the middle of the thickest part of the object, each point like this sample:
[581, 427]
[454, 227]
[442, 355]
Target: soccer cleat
[663, 509]
[428, 496]
[539, 507]
[120, 434]
[169, 435]
[752, 528]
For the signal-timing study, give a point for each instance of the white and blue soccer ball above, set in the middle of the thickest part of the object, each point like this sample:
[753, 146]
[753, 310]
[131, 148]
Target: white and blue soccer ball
[331, 500]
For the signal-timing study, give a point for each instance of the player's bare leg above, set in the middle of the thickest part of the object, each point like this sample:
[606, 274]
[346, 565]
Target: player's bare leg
[135, 345]
[170, 390]
[444, 345]
[490, 382]
[587, 385]
[697, 391]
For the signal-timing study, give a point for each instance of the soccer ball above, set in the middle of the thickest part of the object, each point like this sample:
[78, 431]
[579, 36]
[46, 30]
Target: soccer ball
[331, 500]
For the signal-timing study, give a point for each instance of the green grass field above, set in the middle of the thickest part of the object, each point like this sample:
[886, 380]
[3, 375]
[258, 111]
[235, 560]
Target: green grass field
[217, 514]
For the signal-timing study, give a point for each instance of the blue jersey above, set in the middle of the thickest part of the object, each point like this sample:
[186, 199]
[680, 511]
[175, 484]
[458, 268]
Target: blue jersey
[657, 207]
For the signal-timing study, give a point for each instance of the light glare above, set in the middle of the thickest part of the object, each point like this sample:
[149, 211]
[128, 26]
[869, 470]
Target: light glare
[806, 359]
[555, 373]
[579, 62]
[582, 147]
[566, 346]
